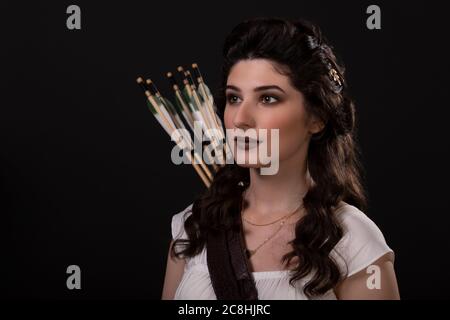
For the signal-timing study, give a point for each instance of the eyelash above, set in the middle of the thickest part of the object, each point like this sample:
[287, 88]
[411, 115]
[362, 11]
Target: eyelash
[230, 96]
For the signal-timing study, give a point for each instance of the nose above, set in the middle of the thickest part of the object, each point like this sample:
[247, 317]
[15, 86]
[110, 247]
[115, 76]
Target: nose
[244, 117]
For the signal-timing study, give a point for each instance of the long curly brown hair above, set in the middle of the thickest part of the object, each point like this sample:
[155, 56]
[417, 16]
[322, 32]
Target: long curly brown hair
[332, 157]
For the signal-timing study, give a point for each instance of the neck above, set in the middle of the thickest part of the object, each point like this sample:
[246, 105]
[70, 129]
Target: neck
[283, 192]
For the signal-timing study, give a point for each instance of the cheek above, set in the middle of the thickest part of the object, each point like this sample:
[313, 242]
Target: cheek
[293, 130]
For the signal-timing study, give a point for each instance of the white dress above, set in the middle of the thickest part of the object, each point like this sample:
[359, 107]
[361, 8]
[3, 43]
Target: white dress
[362, 244]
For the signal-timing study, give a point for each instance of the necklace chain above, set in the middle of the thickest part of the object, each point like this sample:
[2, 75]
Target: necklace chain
[273, 222]
[283, 220]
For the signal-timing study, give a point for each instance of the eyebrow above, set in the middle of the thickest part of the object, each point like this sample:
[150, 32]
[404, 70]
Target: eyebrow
[261, 88]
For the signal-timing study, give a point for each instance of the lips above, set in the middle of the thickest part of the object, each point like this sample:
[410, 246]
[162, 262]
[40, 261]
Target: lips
[246, 143]
[247, 140]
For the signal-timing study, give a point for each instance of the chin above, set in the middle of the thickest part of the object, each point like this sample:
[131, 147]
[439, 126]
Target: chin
[248, 165]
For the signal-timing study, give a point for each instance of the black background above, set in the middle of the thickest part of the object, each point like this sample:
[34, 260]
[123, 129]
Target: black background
[86, 175]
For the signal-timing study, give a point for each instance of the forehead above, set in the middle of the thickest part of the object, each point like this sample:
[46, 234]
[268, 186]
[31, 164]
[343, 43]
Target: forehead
[251, 73]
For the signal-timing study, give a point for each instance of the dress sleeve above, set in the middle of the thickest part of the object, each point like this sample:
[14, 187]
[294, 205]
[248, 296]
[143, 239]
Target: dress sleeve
[177, 225]
[362, 244]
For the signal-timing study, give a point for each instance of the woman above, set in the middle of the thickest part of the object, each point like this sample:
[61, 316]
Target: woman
[297, 234]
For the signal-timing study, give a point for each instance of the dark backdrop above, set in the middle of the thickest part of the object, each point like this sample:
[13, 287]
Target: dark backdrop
[86, 176]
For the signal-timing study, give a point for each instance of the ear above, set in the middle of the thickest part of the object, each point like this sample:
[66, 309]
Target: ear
[315, 124]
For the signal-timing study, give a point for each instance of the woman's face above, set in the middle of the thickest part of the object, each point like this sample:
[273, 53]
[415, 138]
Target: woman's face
[260, 97]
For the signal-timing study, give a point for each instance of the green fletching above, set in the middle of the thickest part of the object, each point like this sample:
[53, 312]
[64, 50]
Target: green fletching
[164, 103]
[170, 106]
[158, 100]
[178, 105]
[202, 87]
[188, 99]
[185, 94]
[149, 105]
[209, 94]
[199, 95]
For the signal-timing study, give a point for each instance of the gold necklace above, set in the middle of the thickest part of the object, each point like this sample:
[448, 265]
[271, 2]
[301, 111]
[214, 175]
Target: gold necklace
[273, 222]
[252, 252]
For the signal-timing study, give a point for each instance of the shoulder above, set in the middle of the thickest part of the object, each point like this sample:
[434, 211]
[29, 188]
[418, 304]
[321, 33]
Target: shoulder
[178, 220]
[362, 243]
[356, 223]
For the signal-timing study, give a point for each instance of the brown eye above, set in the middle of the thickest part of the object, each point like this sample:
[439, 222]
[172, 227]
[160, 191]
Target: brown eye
[266, 99]
[232, 99]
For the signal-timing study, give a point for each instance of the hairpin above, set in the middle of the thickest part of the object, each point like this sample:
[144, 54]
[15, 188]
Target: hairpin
[333, 74]
[335, 79]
